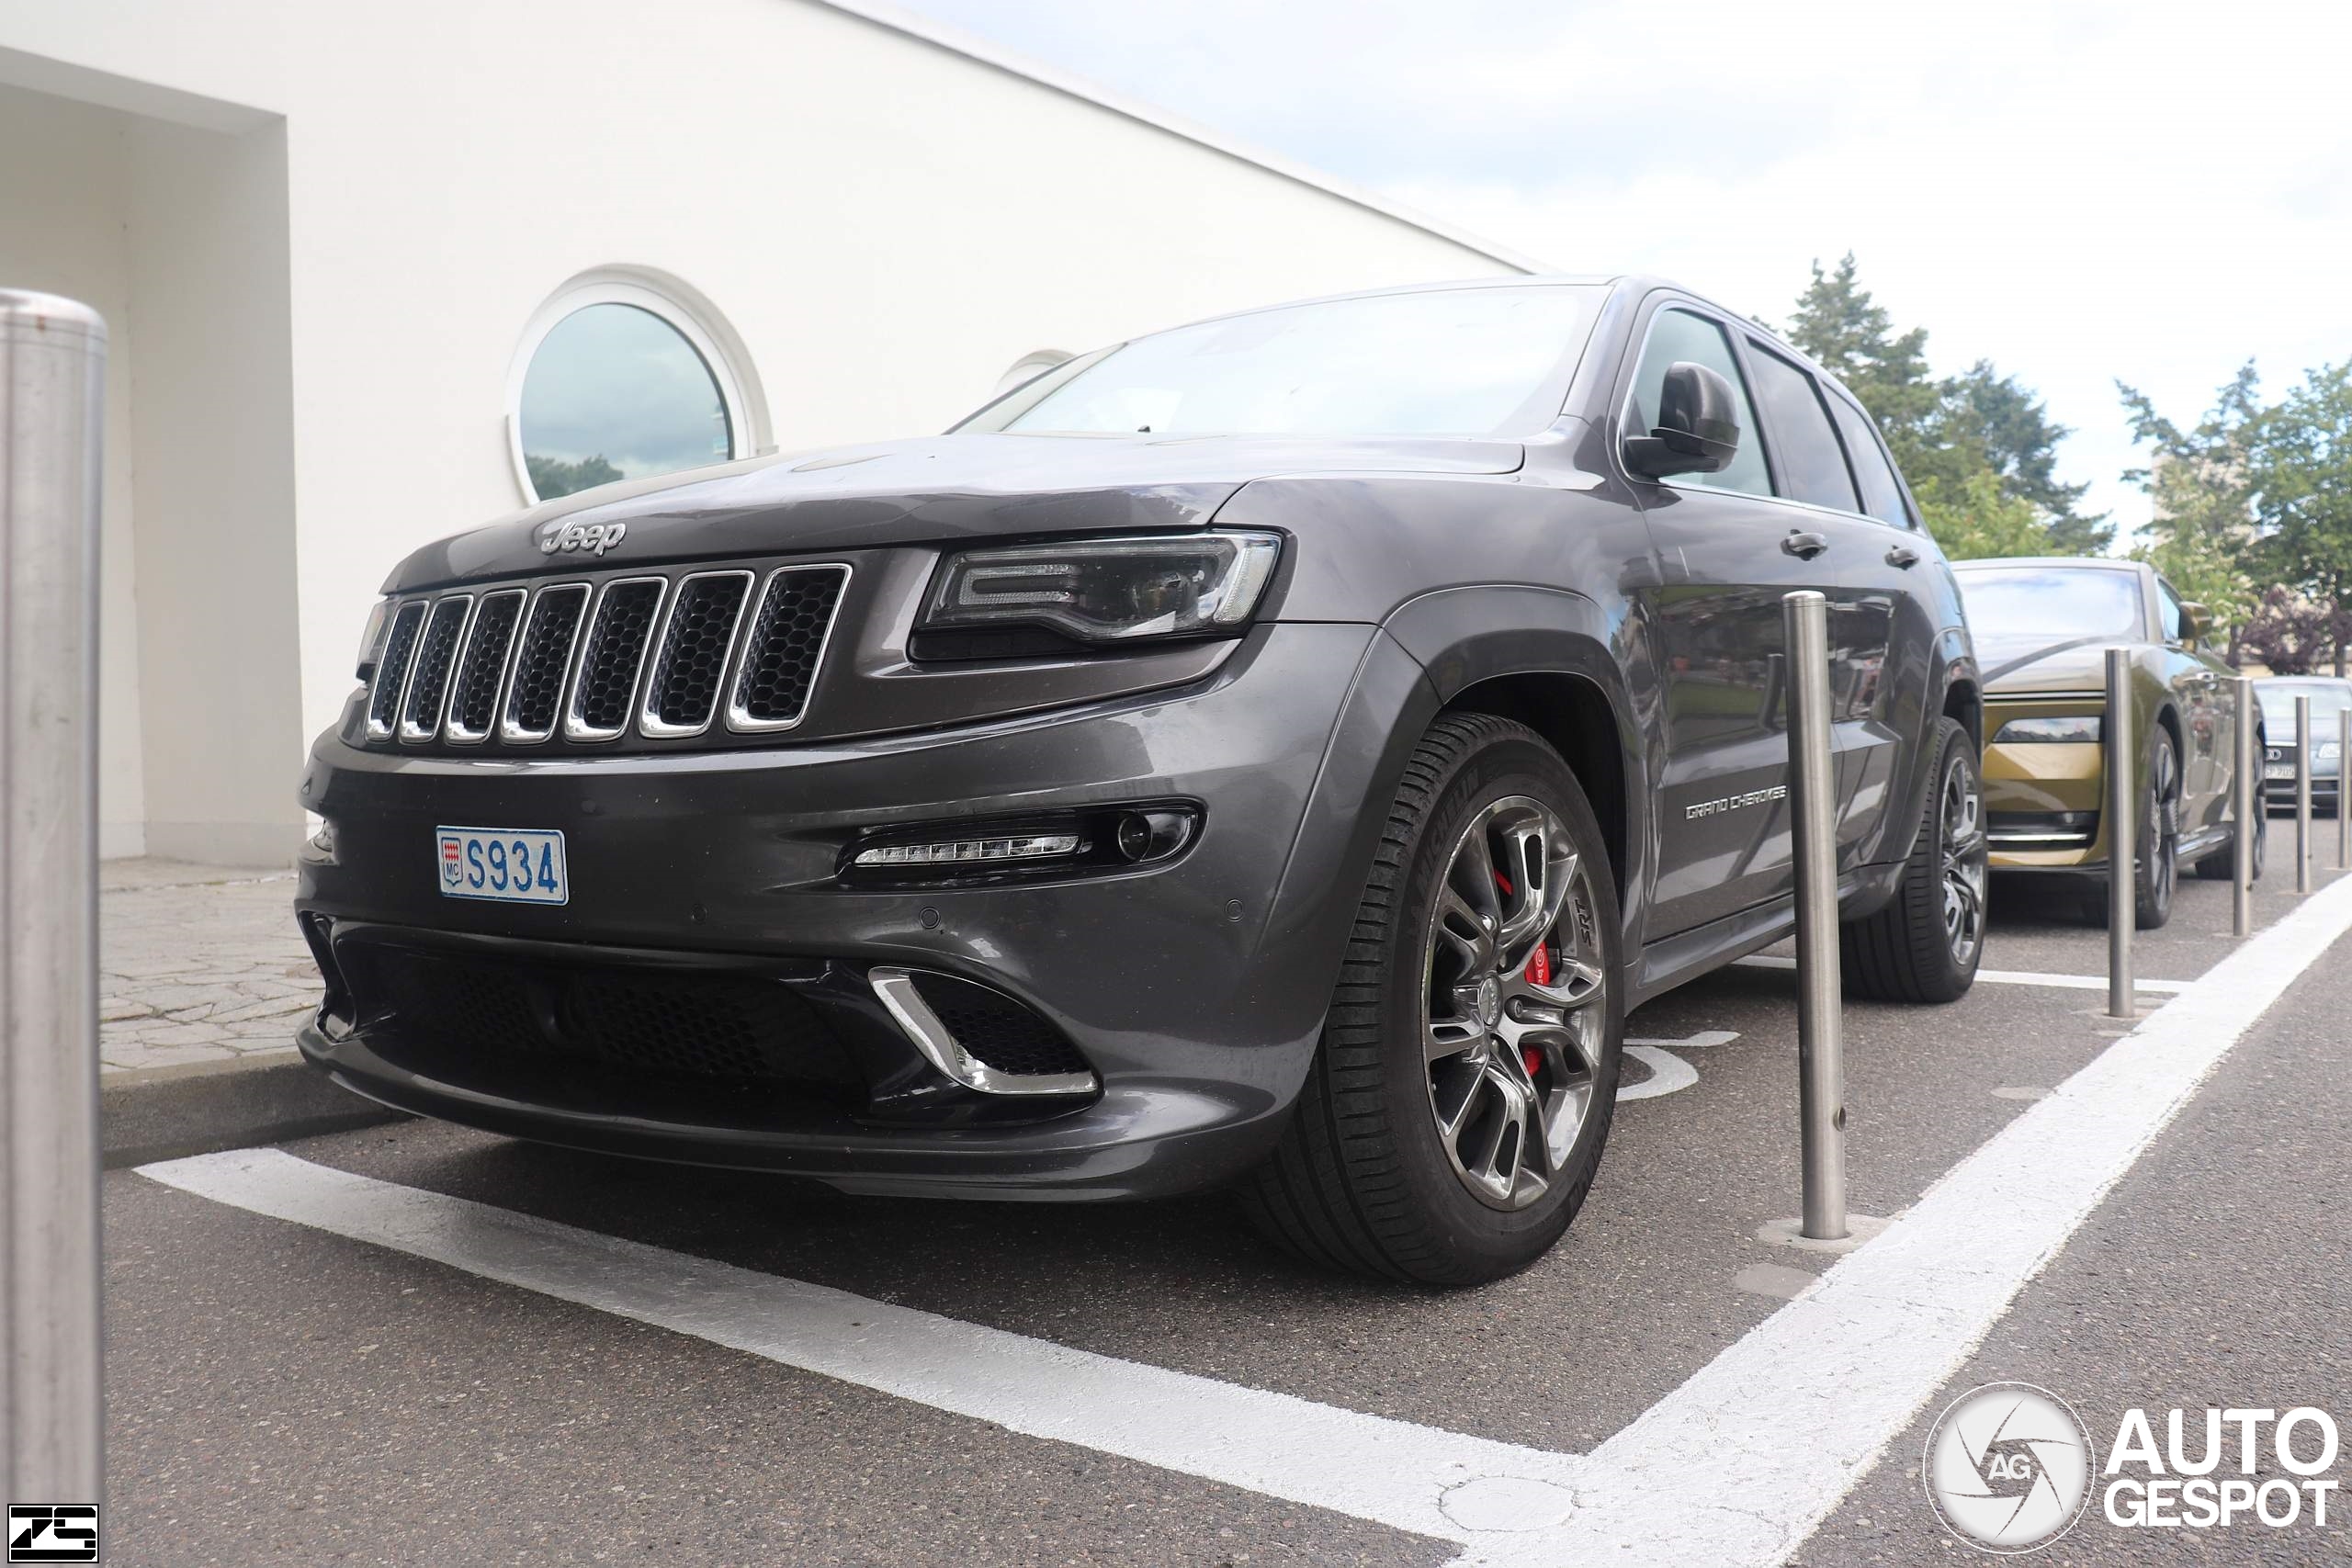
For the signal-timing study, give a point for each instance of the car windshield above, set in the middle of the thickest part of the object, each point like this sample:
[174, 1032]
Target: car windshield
[1446, 362]
[2278, 699]
[2052, 604]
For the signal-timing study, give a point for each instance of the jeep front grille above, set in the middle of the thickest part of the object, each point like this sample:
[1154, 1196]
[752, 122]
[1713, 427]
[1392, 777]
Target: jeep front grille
[661, 656]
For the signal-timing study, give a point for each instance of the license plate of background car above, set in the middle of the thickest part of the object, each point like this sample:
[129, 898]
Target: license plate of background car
[2279, 771]
[510, 865]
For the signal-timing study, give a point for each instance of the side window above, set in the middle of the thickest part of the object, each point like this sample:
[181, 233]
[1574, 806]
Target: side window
[1882, 496]
[1679, 334]
[1812, 468]
[2168, 610]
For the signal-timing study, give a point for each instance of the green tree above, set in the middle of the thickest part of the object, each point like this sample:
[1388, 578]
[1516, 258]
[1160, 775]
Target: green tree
[1974, 518]
[2012, 428]
[1852, 337]
[2300, 466]
[2202, 531]
[1979, 440]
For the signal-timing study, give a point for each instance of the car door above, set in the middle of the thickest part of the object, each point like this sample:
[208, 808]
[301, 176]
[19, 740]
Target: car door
[1811, 468]
[1887, 585]
[2204, 769]
[1725, 557]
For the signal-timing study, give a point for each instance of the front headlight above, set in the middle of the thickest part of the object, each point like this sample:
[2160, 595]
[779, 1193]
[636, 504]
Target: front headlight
[1108, 590]
[2326, 750]
[2077, 731]
[371, 641]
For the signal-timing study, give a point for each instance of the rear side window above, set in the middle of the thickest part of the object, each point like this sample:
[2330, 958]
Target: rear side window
[1679, 334]
[1882, 496]
[1812, 468]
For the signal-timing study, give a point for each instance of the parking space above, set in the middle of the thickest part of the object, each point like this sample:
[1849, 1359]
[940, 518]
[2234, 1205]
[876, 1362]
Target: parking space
[388, 1397]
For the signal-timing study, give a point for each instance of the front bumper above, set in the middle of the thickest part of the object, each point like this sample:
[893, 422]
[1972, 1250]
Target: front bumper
[2043, 805]
[1194, 989]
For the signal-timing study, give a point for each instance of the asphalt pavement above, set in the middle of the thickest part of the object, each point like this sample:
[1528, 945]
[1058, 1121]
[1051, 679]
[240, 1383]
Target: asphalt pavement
[281, 1393]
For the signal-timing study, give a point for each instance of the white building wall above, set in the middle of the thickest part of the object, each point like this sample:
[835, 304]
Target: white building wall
[887, 225]
[64, 220]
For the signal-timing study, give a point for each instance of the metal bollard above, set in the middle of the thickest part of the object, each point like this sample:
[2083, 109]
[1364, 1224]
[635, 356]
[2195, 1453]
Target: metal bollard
[2304, 746]
[1813, 801]
[53, 361]
[2342, 797]
[2246, 799]
[2122, 839]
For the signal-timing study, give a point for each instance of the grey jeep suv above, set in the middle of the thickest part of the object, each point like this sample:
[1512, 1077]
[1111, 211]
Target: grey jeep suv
[1274, 752]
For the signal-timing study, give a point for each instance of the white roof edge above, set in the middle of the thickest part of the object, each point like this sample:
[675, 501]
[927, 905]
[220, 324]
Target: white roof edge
[957, 41]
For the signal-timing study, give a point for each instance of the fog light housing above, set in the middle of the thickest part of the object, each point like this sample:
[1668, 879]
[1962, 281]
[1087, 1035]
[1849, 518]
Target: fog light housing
[1095, 840]
[974, 851]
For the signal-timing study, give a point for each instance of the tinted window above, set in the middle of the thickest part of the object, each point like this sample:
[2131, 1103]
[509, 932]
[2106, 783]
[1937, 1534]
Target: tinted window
[2168, 610]
[1679, 334]
[2049, 604]
[615, 392]
[1881, 497]
[1444, 362]
[1813, 469]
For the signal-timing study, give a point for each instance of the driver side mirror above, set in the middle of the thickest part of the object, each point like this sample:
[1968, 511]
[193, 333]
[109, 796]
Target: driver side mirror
[2192, 622]
[1697, 430]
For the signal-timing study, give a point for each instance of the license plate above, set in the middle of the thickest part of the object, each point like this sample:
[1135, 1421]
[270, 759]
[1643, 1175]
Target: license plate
[513, 865]
[2279, 771]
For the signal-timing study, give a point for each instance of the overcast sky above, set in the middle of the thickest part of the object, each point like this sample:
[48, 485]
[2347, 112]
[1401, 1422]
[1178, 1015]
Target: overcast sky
[2078, 192]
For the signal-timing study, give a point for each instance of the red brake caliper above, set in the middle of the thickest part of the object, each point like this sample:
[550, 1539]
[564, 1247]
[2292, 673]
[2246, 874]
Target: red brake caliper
[1539, 970]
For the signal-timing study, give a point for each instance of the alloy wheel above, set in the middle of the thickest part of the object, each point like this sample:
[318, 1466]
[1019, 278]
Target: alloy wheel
[1964, 861]
[1512, 1015]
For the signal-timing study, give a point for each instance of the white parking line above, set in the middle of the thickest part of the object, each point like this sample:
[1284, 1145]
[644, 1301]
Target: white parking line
[1998, 977]
[1393, 1472]
[1733, 1469]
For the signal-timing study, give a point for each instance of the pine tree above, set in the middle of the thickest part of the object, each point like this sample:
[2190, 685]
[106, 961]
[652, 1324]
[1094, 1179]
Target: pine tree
[1979, 449]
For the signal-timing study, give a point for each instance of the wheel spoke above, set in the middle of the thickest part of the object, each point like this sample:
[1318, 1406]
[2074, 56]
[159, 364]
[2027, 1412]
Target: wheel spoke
[1511, 1062]
[1447, 1037]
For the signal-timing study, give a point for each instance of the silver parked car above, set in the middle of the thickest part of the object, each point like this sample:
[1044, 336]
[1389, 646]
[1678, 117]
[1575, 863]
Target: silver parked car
[2330, 697]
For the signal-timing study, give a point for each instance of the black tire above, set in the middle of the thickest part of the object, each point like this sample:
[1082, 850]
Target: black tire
[2222, 865]
[1364, 1180]
[2158, 840]
[1919, 948]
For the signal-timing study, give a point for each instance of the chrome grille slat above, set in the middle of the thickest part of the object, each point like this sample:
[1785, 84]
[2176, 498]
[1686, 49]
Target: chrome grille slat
[481, 668]
[786, 648]
[695, 647]
[543, 663]
[428, 676]
[620, 634]
[391, 670]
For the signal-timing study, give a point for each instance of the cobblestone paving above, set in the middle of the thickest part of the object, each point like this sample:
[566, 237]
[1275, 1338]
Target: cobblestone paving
[196, 963]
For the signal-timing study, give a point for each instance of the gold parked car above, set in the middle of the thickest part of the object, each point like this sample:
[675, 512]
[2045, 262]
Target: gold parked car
[2041, 628]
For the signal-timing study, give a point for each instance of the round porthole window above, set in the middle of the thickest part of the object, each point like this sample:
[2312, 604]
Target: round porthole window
[618, 380]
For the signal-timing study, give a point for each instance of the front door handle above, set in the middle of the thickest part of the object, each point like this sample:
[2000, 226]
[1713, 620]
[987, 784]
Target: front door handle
[1903, 556]
[1805, 547]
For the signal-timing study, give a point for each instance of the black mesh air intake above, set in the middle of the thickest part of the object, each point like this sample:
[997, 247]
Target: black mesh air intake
[537, 689]
[672, 1025]
[691, 665]
[788, 639]
[474, 704]
[436, 653]
[391, 667]
[996, 1030]
[615, 652]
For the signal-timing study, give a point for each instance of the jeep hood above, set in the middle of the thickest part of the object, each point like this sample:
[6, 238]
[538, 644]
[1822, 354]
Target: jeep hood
[938, 490]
